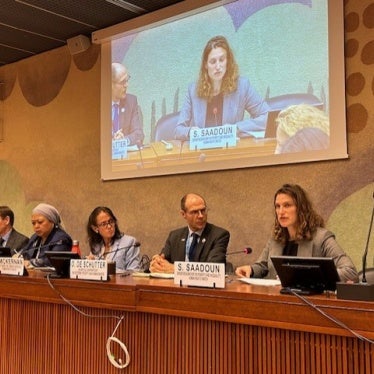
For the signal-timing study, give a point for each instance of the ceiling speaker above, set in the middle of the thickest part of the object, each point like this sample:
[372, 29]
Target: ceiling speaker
[78, 44]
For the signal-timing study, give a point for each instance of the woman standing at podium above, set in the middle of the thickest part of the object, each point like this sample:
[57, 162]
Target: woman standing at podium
[107, 242]
[298, 231]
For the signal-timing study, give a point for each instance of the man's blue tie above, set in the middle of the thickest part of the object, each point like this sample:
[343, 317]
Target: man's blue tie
[115, 119]
[191, 253]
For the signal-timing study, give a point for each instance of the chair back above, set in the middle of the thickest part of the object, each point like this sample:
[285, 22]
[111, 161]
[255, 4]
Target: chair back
[165, 127]
[284, 101]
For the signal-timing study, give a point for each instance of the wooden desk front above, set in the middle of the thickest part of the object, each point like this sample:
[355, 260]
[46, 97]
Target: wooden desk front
[172, 329]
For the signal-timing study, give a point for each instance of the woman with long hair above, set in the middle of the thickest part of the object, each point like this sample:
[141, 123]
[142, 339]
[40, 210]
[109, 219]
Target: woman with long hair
[298, 231]
[107, 242]
[221, 96]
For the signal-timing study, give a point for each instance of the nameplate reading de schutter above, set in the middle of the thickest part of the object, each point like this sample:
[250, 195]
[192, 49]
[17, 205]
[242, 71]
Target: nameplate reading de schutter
[89, 269]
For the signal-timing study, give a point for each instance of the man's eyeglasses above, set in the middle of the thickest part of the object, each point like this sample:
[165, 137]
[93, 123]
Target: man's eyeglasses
[196, 212]
[124, 81]
[105, 224]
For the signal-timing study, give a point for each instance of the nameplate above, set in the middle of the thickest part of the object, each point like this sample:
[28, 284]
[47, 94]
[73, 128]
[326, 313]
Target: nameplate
[213, 137]
[119, 149]
[12, 266]
[89, 269]
[200, 274]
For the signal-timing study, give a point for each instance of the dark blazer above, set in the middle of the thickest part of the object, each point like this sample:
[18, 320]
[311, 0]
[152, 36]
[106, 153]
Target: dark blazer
[58, 240]
[212, 246]
[16, 240]
[129, 119]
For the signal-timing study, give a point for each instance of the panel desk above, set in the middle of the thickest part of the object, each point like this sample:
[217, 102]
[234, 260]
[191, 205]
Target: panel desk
[157, 155]
[171, 329]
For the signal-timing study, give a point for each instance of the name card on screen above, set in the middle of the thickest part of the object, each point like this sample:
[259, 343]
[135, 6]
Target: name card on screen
[213, 137]
[201, 274]
[89, 269]
[12, 266]
[119, 149]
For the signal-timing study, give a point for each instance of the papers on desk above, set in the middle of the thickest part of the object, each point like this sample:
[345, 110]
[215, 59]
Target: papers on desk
[132, 148]
[257, 134]
[162, 275]
[141, 274]
[152, 275]
[261, 282]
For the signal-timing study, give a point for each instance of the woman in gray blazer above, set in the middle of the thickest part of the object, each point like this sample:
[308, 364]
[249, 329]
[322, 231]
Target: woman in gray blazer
[298, 231]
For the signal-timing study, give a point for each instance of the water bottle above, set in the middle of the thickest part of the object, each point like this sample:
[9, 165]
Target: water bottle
[75, 248]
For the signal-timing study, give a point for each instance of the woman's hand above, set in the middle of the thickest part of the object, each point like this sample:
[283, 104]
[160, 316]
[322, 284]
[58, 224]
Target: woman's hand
[243, 271]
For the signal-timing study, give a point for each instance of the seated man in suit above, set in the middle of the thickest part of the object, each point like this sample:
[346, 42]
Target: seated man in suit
[199, 241]
[126, 123]
[9, 237]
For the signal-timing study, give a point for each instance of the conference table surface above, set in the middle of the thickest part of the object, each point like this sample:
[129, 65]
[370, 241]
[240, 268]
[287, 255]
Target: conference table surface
[157, 154]
[238, 302]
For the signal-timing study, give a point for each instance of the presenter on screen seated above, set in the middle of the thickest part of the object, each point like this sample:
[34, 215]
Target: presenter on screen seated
[211, 240]
[49, 235]
[126, 123]
[220, 95]
[298, 231]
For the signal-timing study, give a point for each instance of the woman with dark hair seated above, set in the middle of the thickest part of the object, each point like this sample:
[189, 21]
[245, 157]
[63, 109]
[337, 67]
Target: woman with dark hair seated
[298, 231]
[106, 241]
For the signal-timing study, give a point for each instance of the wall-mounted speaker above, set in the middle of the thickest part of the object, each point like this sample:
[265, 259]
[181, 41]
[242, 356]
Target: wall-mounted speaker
[78, 44]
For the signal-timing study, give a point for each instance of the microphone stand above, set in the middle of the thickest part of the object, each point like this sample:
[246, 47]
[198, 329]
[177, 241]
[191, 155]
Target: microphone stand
[363, 290]
[136, 244]
[367, 247]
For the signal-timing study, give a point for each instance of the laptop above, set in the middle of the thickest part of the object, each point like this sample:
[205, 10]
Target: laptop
[271, 124]
[5, 252]
[306, 275]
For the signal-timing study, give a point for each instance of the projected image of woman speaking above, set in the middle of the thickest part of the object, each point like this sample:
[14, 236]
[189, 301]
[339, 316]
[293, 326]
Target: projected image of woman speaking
[221, 96]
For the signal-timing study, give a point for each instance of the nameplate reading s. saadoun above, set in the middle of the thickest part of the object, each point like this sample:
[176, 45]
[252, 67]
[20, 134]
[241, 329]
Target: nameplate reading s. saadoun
[200, 274]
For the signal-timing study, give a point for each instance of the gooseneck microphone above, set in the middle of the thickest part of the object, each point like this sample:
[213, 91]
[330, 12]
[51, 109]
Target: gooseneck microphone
[35, 246]
[215, 111]
[136, 244]
[246, 250]
[181, 147]
[364, 257]
[139, 146]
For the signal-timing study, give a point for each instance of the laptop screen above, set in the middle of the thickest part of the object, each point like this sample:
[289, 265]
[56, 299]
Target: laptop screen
[5, 252]
[306, 275]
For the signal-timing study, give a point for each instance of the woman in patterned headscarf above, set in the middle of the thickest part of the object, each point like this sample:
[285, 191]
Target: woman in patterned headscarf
[48, 236]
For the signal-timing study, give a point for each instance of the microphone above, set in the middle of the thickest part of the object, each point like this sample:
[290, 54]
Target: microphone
[362, 290]
[145, 263]
[181, 147]
[141, 165]
[367, 247]
[136, 244]
[246, 250]
[51, 244]
[215, 110]
[202, 157]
